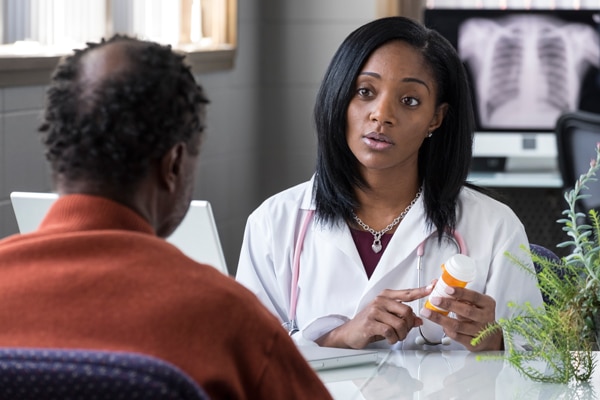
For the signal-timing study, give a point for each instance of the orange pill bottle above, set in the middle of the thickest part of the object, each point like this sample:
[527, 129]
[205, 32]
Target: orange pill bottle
[457, 271]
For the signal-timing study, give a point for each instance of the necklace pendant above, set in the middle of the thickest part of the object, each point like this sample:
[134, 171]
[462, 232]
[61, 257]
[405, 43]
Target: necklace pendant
[376, 246]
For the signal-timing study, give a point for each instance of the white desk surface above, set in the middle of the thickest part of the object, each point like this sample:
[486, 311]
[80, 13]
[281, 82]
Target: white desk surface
[543, 179]
[446, 375]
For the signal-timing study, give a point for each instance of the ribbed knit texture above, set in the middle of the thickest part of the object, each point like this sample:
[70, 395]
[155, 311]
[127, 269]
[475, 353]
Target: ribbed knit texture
[95, 276]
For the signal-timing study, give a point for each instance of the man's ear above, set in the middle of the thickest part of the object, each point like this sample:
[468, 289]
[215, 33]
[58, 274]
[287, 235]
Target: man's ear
[171, 166]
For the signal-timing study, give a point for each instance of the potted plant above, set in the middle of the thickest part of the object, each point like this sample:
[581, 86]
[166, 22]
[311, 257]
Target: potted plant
[563, 335]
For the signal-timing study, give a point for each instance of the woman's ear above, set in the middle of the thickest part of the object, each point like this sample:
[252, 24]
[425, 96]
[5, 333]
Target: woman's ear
[171, 167]
[438, 117]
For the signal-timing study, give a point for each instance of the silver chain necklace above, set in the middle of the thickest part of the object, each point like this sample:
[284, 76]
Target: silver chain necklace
[376, 246]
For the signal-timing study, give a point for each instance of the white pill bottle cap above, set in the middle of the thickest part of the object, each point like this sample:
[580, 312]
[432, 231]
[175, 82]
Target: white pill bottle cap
[461, 267]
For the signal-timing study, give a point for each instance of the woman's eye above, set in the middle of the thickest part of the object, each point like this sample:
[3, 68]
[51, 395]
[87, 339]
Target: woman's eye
[410, 101]
[363, 92]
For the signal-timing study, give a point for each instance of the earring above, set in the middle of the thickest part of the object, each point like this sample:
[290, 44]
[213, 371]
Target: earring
[430, 134]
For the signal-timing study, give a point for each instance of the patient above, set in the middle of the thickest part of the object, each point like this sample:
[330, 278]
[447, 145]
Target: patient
[122, 132]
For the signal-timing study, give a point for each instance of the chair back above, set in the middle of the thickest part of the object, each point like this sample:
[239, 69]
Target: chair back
[36, 373]
[577, 135]
[548, 254]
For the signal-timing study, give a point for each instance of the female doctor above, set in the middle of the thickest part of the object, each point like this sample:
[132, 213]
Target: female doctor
[347, 258]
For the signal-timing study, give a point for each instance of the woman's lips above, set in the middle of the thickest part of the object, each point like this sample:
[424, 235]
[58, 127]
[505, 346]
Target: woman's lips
[377, 141]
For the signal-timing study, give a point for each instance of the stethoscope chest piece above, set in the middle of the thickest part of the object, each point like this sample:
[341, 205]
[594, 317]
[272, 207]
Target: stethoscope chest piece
[290, 326]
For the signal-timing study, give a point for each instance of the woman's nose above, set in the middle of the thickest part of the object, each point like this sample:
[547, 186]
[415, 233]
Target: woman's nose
[383, 111]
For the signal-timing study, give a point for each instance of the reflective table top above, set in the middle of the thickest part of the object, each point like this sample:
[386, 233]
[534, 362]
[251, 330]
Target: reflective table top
[447, 375]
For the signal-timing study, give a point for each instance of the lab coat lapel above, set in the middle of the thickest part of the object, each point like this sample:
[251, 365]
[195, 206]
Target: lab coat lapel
[337, 237]
[402, 246]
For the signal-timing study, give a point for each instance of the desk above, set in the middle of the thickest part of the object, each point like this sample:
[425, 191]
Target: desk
[446, 375]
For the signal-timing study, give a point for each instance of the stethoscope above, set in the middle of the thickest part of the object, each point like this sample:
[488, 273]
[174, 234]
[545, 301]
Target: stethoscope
[292, 326]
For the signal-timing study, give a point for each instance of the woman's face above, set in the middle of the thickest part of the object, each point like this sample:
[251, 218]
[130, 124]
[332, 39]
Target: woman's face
[393, 109]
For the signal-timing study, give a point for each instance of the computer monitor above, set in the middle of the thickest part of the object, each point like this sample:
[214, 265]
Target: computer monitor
[526, 67]
[196, 236]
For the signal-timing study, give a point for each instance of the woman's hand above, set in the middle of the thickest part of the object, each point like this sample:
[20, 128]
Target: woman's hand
[474, 312]
[386, 317]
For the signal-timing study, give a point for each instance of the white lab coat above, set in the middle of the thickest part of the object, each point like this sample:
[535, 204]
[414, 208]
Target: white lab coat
[333, 286]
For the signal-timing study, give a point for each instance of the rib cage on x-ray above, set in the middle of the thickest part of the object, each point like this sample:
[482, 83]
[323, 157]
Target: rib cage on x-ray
[527, 69]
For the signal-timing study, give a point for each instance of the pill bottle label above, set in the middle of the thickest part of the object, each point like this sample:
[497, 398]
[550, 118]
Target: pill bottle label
[457, 271]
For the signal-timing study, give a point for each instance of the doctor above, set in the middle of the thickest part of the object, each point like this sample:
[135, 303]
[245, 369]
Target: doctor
[335, 258]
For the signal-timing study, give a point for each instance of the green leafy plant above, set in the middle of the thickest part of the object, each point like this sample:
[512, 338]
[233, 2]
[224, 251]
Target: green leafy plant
[561, 336]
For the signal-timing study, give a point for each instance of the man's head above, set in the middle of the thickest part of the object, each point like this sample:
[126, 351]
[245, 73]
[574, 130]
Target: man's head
[123, 120]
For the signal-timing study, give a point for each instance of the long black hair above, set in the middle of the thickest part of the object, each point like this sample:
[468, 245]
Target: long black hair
[444, 159]
[109, 131]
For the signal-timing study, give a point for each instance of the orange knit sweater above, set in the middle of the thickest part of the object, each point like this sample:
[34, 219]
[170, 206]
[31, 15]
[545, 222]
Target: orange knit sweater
[95, 276]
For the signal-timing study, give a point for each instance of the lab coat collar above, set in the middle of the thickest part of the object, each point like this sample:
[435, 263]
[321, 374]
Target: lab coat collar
[337, 234]
[308, 201]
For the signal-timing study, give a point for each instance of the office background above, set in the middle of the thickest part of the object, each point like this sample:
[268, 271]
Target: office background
[260, 137]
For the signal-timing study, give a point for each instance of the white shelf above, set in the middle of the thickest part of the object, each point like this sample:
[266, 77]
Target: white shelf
[543, 179]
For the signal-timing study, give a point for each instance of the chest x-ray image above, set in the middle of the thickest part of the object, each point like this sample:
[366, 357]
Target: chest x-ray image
[526, 69]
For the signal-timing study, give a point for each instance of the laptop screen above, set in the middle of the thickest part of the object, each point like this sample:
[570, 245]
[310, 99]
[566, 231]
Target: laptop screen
[196, 236]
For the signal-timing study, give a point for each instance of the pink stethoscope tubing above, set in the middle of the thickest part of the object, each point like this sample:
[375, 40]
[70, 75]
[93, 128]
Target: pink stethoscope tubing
[291, 324]
[296, 267]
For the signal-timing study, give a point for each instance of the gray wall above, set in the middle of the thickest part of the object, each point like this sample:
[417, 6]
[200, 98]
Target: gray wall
[260, 137]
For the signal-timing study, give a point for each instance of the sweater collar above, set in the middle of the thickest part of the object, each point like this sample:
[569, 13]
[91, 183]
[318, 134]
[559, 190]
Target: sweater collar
[80, 212]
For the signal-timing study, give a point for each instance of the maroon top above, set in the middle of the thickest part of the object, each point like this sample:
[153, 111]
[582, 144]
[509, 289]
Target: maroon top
[363, 241]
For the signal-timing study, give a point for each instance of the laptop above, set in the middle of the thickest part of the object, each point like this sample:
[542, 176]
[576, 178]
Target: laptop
[196, 236]
[321, 358]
